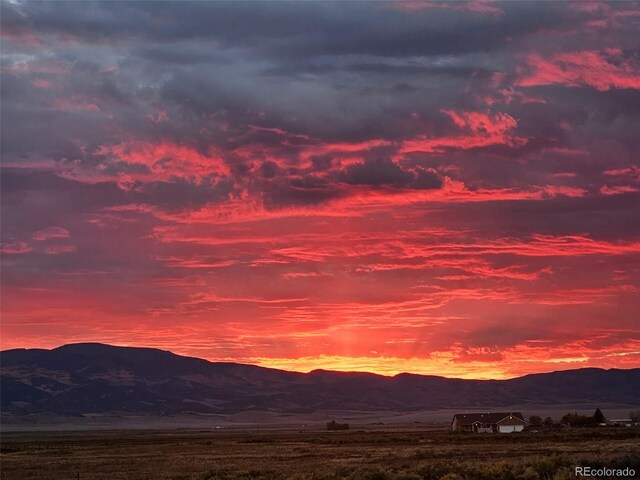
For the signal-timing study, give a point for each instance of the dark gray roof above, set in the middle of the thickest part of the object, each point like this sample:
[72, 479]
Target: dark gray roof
[487, 418]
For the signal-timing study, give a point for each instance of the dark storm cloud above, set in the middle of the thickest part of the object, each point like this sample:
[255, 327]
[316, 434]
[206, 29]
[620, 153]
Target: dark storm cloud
[268, 169]
[378, 173]
[263, 82]
[301, 191]
[321, 28]
[298, 30]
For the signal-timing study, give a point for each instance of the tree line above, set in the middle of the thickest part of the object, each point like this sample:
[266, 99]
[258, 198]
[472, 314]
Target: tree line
[577, 420]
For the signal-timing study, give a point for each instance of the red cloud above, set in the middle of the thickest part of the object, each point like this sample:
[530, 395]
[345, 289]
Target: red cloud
[75, 105]
[15, 247]
[616, 190]
[626, 180]
[480, 7]
[58, 249]
[167, 159]
[606, 15]
[292, 275]
[578, 296]
[42, 84]
[51, 232]
[479, 129]
[601, 70]
[197, 262]
[50, 67]
[358, 201]
[632, 172]
[21, 36]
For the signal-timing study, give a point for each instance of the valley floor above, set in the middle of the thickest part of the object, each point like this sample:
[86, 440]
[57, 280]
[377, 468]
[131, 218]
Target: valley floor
[373, 453]
[440, 418]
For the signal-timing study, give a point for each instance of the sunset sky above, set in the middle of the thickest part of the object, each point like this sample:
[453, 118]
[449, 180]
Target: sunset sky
[440, 188]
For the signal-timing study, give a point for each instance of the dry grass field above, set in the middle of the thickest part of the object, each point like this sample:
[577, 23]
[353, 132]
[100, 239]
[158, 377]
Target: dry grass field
[279, 454]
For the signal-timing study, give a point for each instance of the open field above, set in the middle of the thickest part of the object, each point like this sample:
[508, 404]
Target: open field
[440, 418]
[278, 454]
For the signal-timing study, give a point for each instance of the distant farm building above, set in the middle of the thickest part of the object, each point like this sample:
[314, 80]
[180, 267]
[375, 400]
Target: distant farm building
[621, 422]
[333, 425]
[488, 422]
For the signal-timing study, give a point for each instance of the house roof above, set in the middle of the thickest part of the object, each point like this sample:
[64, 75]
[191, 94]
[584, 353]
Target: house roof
[486, 418]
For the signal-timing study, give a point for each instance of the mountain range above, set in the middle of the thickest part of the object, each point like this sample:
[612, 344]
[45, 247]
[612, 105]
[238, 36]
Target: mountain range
[87, 378]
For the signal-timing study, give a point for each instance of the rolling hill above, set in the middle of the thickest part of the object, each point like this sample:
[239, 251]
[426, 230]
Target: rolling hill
[88, 378]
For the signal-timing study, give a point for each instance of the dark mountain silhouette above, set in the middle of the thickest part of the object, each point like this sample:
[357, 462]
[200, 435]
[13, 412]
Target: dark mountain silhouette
[95, 378]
